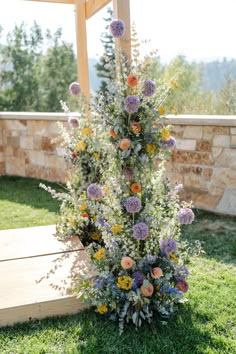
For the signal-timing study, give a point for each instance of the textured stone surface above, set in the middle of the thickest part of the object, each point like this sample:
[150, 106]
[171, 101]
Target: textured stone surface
[227, 204]
[203, 145]
[221, 140]
[186, 144]
[193, 132]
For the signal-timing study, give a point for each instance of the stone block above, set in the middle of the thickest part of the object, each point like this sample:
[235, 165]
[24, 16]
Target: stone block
[204, 145]
[186, 144]
[196, 158]
[233, 141]
[221, 140]
[207, 173]
[215, 130]
[2, 168]
[27, 142]
[227, 158]
[175, 178]
[2, 157]
[37, 139]
[13, 141]
[13, 124]
[193, 132]
[8, 151]
[224, 177]
[215, 190]
[178, 131]
[227, 204]
[195, 182]
[50, 161]
[36, 127]
[233, 130]
[15, 166]
[216, 151]
[37, 158]
[206, 201]
[46, 144]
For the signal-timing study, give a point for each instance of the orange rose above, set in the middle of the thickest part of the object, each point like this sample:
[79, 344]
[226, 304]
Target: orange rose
[85, 215]
[147, 290]
[127, 263]
[136, 188]
[132, 80]
[112, 133]
[135, 127]
[156, 273]
[125, 144]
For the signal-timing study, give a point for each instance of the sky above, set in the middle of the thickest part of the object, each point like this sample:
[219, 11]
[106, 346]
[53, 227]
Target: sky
[199, 29]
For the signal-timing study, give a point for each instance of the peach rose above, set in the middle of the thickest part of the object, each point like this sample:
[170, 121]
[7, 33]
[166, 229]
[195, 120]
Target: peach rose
[156, 273]
[147, 290]
[127, 263]
[125, 144]
[132, 80]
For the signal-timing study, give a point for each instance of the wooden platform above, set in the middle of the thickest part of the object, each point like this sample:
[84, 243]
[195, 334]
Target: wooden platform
[36, 274]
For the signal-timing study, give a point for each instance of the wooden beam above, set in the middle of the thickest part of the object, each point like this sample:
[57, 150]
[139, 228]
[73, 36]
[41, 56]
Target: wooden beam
[121, 9]
[93, 6]
[56, 1]
[82, 50]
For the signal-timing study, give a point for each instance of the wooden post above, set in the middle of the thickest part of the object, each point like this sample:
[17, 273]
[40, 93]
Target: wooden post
[121, 10]
[82, 50]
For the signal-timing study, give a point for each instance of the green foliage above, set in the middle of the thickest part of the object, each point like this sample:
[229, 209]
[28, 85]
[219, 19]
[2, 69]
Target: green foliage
[226, 99]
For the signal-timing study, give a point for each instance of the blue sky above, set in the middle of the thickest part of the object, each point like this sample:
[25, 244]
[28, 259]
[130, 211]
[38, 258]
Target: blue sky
[199, 29]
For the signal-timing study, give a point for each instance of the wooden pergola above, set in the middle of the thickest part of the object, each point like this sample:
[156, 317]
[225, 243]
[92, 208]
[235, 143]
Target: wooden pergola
[85, 9]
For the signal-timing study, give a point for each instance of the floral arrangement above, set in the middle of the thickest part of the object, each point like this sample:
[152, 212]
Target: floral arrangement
[120, 202]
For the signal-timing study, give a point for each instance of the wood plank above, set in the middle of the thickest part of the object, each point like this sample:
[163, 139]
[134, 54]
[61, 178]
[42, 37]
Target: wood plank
[68, 305]
[33, 241]
[33, 280]
[82, 50]
[121, 10]
[56, 1]
[93, 6]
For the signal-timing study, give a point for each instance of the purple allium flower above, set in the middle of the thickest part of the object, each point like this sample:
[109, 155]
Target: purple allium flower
[133, 205]
[138, 278]
[117, 28]
[73, 121]
[179, 188]
[168, 245]
[186, 216]
[181, 272]
[140, 231]
[132, 104]
[168, 144]
[75, 88]
[94, 191]
[128, 173]
[149, 88]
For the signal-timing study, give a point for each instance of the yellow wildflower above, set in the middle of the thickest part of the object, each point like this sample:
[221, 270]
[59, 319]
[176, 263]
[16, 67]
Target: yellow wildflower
[81, 146]
[174, 258]
[174, 84]
[100, 254]
[162, 110]
[151, 148]
[102, 309]
[95, 236]
[96, 155]
[105, 190]
[116, 229]
[124, 282]
[83, 207]
[86, 131]
[165, 134]
[94, 218]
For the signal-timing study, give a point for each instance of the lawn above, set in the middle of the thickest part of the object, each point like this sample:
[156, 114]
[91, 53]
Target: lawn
[23, 203]
[205, 325]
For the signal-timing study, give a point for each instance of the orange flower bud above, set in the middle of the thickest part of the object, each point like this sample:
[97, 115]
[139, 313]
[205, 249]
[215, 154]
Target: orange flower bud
[136, 188]
[125, 144]
[132, 80]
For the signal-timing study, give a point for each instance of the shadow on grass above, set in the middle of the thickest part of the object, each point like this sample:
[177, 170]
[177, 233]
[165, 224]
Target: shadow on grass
[88, 333]
[27, 191]
[217, 234]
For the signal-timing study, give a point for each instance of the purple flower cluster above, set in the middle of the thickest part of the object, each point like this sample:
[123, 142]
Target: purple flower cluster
[179, 188]
[133, 205]
[73, 121]
[75, 88]
[168, 144]
[128, 173]
[140, 231]
[117, 28]
[149, 88]
[138, 278]
[94, 191]
[186, 216]
[181, 272]
[132, 104]
[168, 245]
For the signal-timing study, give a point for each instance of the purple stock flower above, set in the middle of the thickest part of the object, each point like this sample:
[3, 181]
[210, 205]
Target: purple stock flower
[168, 245]
[149, 88]
[168, 144]
[138, 277]
[128, 173]
[117, 28]
[75, 88]
[133, 205]
[140, 231]
[186, 216]
[94, 191]
[132, 104]
[73, 121]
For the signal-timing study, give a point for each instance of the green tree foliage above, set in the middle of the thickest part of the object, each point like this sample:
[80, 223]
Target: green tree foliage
[34, 74]
[226, 99]
[109, 54]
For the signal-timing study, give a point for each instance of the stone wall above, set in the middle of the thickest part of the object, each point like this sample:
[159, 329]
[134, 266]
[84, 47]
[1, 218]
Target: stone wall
[204, 160]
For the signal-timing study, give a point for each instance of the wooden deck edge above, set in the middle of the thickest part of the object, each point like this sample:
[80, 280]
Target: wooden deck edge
[65, 306]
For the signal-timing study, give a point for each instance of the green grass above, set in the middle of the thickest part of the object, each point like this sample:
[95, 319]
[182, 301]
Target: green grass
[23, 203]
[205, 325]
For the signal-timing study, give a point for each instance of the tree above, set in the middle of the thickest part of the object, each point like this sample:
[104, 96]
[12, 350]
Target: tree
[226, 99]
[109, 55]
